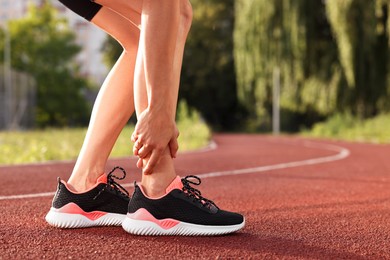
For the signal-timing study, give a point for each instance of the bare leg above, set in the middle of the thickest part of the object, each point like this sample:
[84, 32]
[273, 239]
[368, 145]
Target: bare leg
[159, 63]
[163, 173]
[114, 104]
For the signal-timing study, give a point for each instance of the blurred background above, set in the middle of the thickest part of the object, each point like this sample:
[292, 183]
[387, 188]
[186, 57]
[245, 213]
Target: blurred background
[317, 68]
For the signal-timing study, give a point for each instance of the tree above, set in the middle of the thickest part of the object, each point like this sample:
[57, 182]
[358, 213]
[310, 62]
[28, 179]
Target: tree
[361, 31]
[208, 80]
[44, 47]
[333, 56]
[294, 36]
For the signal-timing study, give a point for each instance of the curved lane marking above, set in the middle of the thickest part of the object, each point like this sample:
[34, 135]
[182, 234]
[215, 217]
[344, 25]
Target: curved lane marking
[342, 153]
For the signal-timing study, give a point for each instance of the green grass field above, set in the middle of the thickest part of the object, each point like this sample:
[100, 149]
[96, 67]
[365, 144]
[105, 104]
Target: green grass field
[346, 127]
[64, 144]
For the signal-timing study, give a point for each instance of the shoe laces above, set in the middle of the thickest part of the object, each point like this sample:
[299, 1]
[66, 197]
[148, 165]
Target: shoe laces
[112, 185]
[195, 193]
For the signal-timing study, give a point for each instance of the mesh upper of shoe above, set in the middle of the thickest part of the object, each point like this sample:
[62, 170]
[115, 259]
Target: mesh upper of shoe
[180, 205]
[106, 196]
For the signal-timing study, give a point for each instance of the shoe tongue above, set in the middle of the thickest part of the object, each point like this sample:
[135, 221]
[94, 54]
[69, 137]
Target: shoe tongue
[175, 184]
[102, 179]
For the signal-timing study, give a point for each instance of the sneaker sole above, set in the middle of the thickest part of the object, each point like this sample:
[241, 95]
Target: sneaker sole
[60, 219]
[155, 227]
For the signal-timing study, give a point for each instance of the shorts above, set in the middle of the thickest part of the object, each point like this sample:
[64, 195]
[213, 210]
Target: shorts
[84, 8]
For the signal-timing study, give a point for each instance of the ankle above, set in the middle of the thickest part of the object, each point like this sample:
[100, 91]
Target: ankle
[82, 183]
[156, 187]
[155, 184]
[152, 192]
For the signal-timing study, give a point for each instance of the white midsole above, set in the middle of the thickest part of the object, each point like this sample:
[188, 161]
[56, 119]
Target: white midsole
[144, 227]
[68, 220]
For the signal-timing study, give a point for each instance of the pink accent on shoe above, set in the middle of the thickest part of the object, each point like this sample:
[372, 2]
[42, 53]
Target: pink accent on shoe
[101, 179]
[143, 214]
[175, 184]
[72, 208]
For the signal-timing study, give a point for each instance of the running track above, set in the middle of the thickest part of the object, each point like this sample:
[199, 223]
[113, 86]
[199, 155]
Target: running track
[303, 199]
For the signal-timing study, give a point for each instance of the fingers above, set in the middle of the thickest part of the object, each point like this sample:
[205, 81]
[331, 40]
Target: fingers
[134, 137]
[173, 147]
[149, 149]
[137, 144]
[136, 147]
[174, 144]
[144, 151]
[153, 160]
[140, 163]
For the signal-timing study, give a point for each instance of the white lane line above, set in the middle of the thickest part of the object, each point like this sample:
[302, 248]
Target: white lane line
[27, 196]
[342, 153]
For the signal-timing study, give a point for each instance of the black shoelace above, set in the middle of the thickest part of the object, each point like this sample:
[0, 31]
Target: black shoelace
[112, 185]
[195, 193]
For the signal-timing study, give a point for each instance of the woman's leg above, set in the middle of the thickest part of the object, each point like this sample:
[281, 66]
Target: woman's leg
[114, 104]
[163, 172]
[159, 63]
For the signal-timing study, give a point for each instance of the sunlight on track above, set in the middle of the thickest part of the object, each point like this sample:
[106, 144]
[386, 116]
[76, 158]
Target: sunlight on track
[342, 153]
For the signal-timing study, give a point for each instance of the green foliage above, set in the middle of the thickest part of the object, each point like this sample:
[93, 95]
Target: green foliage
[40, 145]
[360, 30]
[65, 144]
[333, 56]
[292, 35]
[44, 47]
[194, 132]
[347, 127]
[208, 77]
[335, 125]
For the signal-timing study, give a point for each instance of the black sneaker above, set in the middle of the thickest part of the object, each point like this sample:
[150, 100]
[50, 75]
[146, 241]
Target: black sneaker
[182, 211]
[103, 205]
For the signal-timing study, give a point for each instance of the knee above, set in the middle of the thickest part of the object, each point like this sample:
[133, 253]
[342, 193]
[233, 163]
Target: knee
[186, 14]
[127, 46]
[128, 41]
[131, 48]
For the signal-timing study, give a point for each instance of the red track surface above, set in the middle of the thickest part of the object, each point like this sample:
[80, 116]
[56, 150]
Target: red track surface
[332, 210]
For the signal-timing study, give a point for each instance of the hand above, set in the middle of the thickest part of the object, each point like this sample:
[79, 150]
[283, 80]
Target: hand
[153, 132]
